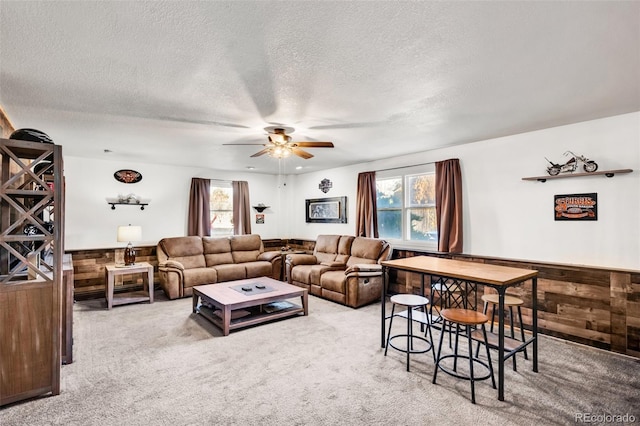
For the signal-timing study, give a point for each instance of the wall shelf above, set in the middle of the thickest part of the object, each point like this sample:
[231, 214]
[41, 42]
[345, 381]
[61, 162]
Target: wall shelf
[113, 205]
[607, 173]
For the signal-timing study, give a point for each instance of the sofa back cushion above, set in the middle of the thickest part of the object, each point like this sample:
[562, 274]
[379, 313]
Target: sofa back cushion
[326, 249]
[344, 248]
[366, 250]
[217, 251]
[246, 248]
[186, 250]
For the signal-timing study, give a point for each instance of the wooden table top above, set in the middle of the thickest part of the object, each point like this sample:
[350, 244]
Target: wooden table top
[224, 294]
[464, 270]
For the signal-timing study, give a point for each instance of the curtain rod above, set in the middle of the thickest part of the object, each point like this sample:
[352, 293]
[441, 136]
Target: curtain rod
[405, 167]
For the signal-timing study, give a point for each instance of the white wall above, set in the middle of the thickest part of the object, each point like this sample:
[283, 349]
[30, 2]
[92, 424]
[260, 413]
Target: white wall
[507, 217]
[90, 222]
[504, 216]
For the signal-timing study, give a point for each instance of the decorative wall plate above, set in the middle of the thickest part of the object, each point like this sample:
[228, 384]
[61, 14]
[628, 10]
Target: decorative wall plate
[127, 176]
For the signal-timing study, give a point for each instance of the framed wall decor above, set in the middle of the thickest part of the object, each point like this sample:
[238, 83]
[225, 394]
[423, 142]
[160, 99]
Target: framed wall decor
[326, 210]
[576, 206]
[128, 176]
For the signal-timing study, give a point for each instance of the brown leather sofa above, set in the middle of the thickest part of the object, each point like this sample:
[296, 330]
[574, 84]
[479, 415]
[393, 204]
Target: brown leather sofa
[342, 268]
[184, 262]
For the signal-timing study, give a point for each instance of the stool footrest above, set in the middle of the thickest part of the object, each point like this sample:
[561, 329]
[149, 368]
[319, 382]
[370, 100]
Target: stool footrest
[454, 373]
[411, 351]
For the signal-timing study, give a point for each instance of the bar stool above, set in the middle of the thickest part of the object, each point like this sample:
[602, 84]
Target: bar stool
[509, 301]
[464, 319]
[411, 302]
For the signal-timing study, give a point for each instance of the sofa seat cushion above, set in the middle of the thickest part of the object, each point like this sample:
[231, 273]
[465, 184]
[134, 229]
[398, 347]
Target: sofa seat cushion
[230, 272]
[258, 268]
[199, 276]
[334, 281]
[308, 274]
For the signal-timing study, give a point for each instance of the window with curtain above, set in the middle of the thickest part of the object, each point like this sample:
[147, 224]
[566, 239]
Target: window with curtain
[406, 199]
[221, 202]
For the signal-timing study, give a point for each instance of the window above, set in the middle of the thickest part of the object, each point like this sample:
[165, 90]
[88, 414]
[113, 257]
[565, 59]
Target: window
[406, 201]
[221, 202]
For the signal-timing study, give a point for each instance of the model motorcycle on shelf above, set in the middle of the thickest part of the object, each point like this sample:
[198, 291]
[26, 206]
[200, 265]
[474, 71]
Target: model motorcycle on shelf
[571, 165]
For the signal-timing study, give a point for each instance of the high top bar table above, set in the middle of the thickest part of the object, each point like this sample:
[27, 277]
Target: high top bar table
[472, 274]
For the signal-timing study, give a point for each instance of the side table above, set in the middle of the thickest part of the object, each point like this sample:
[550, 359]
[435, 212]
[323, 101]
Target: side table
[145, 295]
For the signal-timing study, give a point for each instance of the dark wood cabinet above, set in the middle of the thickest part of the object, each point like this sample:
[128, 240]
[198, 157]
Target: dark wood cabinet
[31, 269]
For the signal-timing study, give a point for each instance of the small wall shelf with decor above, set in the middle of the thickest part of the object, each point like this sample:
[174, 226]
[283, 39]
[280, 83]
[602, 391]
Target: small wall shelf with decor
[607, 173]
[113, 205]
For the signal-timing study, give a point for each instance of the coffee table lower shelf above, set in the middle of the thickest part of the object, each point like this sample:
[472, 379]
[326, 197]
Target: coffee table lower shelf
[252, 319]
[229, 309]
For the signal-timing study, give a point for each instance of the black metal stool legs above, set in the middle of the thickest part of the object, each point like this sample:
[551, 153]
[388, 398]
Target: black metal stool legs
[465, 327]
[411, 302]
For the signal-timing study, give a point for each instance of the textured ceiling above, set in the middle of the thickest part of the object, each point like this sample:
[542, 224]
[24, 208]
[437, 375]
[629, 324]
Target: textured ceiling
[170, 82]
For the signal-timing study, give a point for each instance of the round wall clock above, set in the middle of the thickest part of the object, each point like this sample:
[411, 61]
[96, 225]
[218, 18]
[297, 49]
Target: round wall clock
[127, 176]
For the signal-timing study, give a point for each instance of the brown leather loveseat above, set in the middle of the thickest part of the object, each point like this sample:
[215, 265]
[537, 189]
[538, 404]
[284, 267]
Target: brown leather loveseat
[342, 268]
[184, 262]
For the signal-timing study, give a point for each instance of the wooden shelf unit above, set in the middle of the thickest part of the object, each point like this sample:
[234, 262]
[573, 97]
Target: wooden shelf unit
[31, 269]
[607, 173]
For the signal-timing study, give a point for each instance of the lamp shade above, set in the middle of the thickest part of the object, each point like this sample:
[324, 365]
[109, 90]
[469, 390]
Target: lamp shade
[129, 233]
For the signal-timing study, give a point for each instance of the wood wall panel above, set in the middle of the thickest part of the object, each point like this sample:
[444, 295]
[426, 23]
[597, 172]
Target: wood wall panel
[599, 307]
[89, 270]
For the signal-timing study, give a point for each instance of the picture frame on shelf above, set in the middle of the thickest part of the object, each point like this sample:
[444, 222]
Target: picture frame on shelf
[326, 210]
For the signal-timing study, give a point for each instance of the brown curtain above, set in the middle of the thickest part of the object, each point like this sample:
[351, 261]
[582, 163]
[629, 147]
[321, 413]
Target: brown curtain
[241, 208]
[449, 205]
[366, 206]
[199, 214]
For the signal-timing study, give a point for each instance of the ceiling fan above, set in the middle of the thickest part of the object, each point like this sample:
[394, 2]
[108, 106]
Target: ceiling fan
[281, 146]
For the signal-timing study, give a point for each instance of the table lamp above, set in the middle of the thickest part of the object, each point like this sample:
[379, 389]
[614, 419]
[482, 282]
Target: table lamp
[128, 234]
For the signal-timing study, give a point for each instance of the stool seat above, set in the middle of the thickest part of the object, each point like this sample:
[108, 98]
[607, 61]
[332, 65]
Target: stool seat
[508, 300]
[464, 316]
[412, 300]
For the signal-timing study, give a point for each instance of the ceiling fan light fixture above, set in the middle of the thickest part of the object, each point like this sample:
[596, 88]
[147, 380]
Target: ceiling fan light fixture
[280, 151]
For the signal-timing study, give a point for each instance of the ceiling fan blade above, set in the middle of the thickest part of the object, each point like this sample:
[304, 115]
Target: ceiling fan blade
[349, 125]
[259, 153]
[205, 122]
[314, 144]
[245, 144]
[301, 153]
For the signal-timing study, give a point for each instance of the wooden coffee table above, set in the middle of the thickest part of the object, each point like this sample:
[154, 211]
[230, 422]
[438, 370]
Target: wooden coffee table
[256, 305]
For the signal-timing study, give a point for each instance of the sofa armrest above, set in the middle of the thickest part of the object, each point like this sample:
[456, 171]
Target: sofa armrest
[364, 269]
[301, 259]
[171, 264]
[268, 255]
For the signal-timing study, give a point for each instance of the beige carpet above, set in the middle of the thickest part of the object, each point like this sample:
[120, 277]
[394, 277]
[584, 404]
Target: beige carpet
[158, 365]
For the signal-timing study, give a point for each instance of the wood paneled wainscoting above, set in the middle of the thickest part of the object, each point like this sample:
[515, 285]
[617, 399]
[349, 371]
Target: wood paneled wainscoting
[595, 306]
[89, 270]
